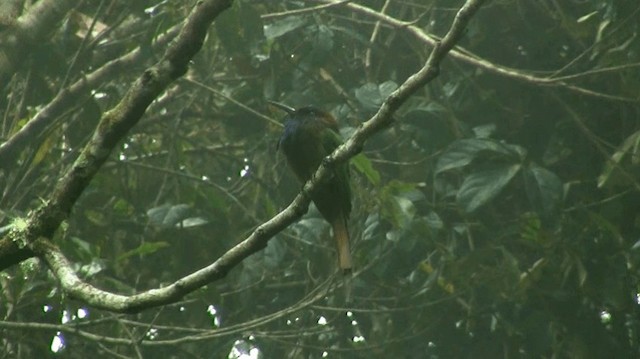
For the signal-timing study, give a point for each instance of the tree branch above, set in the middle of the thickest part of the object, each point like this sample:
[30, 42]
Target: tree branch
[68, 97]
[29, 31]
[113, 126]
[471, 59]
[47, 218]
[10, 252]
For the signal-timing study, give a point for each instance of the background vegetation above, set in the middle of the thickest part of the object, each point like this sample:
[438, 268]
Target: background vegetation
[497, 217]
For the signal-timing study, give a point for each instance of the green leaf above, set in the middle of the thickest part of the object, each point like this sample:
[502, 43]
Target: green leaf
[632, 146]
[434, 221]
[281, 27]
[463, 152]
[167, 216]
[481, 187]
[399, 210]
[544, 189]
[371, 95]
[44, 150]
[484, 131]
[363, 165]
[586, 17]
[96, 217]
[144, 248]
[83, 249]
[310, 229]
[193, 222]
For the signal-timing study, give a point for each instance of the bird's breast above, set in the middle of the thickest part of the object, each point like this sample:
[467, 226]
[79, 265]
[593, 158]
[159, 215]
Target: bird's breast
[300, 145]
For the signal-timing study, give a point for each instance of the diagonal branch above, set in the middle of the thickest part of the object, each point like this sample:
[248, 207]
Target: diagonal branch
[66, 98]
[46, 219]
[23, 241]
[28, 31]
[474, 60]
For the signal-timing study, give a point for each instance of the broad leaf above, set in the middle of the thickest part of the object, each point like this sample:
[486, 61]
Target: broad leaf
[166, 216]
[371, 95]
[363, 165]
[544, 189]
[463, 152]
[481, 187]
[630, 145]
[281, 27]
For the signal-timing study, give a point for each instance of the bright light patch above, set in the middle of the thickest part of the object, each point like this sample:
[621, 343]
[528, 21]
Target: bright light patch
[66, 317]
[244, 350]
[358, 339]
[152, 333]
[212, 311]
[57, 344]
[47, 308]
[82, 313]
[322, 320]
[245, 171]
[98, 95]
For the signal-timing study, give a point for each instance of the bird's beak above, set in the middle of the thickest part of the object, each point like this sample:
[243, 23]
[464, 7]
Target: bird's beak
[283, 107]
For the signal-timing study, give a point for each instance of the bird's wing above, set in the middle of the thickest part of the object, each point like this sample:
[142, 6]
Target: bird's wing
[330, 140]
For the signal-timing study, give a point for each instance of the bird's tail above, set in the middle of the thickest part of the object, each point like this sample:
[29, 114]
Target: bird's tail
[341, 235]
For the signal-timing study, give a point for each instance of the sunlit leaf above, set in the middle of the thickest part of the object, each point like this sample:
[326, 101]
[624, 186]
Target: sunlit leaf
[44, 149]
[402, 211]
[94, 267]
[481, 187]
[283, 26]
[193, 222]
[364, 166]
[371, 225]
[586, 17]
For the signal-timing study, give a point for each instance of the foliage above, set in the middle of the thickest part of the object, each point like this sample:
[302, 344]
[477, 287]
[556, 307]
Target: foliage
[497, 217]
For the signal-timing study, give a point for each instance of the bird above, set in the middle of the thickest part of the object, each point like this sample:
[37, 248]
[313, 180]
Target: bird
[309, 136]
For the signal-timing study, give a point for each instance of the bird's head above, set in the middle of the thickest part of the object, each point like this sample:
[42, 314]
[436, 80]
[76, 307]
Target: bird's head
[307, 113]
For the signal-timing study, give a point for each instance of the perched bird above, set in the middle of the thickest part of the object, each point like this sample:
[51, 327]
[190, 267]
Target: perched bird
[309, 136]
